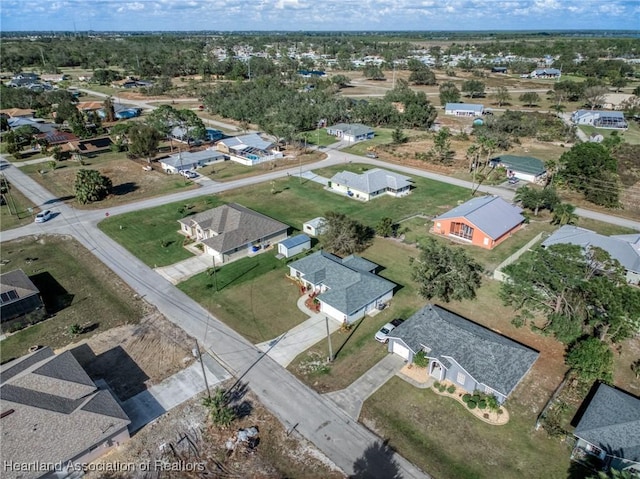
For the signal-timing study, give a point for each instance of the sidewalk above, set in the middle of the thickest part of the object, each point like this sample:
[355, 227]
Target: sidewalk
[287, 347]
[351, 399]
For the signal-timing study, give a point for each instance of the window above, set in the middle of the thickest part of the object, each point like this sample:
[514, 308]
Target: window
[486, 241]
[488, 390]
[461, 378]
[461, 230]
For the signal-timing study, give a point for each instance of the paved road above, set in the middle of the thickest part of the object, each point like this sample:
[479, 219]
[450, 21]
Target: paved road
[316, 418]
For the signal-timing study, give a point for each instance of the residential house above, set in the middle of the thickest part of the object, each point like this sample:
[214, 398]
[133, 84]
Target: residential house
[463, 109]
[351, 132]
[90, 146]
[311, 73]
[460, 351]
[190, 160]
[56, 137]
[294, 245]
[17, 112]
[370, 184]
[232, 231]
[35, 125]
[624, 248]
[53, 415]
[545, 73]
[600, 119]
[249, 149]
[484, 221]
[524, 168]
[54, 77]
[346, 288]
[314, 227]
[19, 298]
[609, 430]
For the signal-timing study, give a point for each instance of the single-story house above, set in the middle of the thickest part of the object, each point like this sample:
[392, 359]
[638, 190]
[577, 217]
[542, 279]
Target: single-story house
[56, 137]
[463, 352]
[311, 73]
[232, 231]
[370, 184]
[499, 70]
[485, 221]
[189, 160]
[524, 168]
[19, 297]
[545, 73]
[54, 414]
[609, 429]
[249, 149]
[463, 109]
[600, 119]
[35, 125]
[624, 248]
[18, 112]
[346, 288]
[90, 146]
[314, 227]
[294, 245]
[54, 77]
[351, 132]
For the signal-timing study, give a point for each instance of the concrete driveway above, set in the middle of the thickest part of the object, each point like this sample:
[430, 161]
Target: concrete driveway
[185, 269]
[182, 386]
[350, 399]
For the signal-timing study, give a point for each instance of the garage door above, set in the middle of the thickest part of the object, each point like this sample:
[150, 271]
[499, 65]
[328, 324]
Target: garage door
[401, 350]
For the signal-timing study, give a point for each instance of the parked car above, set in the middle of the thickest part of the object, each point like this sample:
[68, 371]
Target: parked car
[43, 216]
[383, 333]
[372, 155]
[190, 174]
[513, 180]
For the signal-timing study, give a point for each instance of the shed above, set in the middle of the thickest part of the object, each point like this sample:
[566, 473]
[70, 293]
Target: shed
[314, 227]
[294, 245]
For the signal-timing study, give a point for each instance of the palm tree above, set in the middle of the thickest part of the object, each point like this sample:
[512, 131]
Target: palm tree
[559, 108]
[564, 214]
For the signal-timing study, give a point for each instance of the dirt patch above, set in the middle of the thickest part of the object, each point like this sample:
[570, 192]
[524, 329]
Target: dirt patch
[133, 357]
[184, 439]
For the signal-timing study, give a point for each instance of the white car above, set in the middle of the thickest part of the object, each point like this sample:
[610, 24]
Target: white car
[43, 216]
[189, 174]
[383, 333]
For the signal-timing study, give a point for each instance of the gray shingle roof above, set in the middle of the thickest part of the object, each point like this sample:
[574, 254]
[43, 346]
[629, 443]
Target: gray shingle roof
[234, 226]
[372, 180]
[624, 248]
[491, 214]
[611, 421]
[58, 413]
[252, 140]
[350, 288]
[352, 129]
[18, 281]
[490, 358]
[189, 158]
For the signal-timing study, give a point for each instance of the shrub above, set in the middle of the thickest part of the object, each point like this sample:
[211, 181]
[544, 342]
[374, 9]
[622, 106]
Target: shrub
[436, 384]
[441, 388]
[482, 404]
[451, 389]
[466, 398]
[75, 329]
[500, 411]
[421, 360]
[471, 404]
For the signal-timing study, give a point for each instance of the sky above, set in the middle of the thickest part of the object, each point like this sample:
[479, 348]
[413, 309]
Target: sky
[317, 15]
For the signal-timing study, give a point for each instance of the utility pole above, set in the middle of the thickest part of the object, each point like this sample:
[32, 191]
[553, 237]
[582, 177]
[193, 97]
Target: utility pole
[326, 318]
[204, 374]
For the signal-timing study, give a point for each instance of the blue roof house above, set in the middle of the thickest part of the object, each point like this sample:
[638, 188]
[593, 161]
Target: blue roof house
[346, 288]
[465, 353]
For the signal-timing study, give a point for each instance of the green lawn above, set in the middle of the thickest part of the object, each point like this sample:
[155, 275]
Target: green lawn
[74, 286]
[16, 212]
[382, 137]
[319, 137]
[152, 234]
[631, 135]
[254, 297]
[439, 436]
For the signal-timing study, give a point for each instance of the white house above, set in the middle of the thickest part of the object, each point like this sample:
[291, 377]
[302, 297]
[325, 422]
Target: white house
[463, 109]
[314, 227]
[294, 245]
[370, 184]
[190, 160]
[249, 150]
[600, 119]
[346, 288]
[351, 132]
[545, 73]
[524, 168]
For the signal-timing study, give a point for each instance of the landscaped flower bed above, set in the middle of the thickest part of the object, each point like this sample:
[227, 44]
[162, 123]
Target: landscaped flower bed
[483, 406]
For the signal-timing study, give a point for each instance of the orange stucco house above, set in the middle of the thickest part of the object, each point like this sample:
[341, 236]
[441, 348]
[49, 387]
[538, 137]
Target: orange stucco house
[484, 221]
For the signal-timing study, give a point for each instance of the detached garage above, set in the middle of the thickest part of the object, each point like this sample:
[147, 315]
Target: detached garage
[294, 245]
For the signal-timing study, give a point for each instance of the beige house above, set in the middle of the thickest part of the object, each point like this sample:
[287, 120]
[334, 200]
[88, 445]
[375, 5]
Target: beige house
[53, 415]
[232, 231]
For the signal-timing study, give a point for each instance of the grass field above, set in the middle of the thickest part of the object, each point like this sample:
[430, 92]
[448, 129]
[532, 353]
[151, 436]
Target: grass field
[631, 135]
[253, 296]
[438, 435]
[76, 289]
[16, 212]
